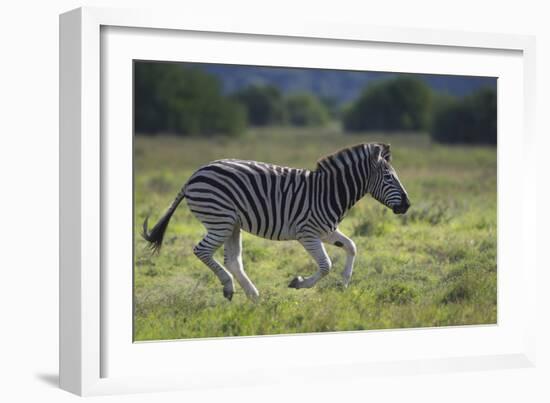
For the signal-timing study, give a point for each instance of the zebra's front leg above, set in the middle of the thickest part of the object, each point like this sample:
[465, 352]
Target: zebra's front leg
[316, 249]
[338, 239]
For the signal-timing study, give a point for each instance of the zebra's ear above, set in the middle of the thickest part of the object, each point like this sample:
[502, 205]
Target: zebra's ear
[375, 153]
[385, 152]
[381, 151]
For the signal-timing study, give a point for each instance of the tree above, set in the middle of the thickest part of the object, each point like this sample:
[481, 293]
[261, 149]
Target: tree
[401, 103]
[472, 119]
[183, 100]
[264, 104]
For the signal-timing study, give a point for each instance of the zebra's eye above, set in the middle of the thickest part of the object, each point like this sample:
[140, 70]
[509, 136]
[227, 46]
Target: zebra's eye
[387, 177]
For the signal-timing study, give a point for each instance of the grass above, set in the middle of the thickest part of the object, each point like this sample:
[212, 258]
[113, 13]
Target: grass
[434, 266]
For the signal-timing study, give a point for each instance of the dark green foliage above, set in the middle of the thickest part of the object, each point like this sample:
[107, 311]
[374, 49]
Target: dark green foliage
[306, 110]
[472, 119]
[175, 99]
[396, 294]
[397, 104]
[264, 104]
[457, 293]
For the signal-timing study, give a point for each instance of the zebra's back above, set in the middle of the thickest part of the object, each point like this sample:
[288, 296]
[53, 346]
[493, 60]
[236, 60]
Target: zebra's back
[265, 199]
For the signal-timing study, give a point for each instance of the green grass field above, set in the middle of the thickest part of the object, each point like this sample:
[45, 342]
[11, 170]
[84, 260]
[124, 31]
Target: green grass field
[434, 266]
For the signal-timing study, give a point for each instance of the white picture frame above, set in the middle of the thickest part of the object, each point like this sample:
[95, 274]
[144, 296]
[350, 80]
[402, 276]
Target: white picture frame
[90, 340]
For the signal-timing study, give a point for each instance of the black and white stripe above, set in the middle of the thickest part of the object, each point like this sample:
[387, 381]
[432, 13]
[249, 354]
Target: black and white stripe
[281, 203]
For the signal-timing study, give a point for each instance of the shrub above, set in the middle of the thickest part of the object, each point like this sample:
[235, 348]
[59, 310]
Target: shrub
[397, 294]
[305, 110]
[472, 119]
[457, 293]
[401, 103]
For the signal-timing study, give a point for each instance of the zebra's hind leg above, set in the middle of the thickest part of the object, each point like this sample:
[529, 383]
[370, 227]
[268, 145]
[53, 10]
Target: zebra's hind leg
[338, 239]
[205, 249]
[234, 262]
[316, 249]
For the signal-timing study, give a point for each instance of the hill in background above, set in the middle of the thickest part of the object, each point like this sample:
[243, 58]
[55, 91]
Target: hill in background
[342, 86]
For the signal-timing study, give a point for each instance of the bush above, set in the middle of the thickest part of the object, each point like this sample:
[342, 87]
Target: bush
[401, 103]
[332, 105]
[264, 104]
[306, 110]
[182, 100]
[396, 294]
[472, 119]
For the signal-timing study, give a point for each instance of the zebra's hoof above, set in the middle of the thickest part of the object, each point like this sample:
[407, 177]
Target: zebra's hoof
[253, 295]
[228, 294]
[296, 282]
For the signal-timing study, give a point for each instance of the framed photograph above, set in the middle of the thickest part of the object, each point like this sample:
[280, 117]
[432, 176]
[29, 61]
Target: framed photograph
[287, 201]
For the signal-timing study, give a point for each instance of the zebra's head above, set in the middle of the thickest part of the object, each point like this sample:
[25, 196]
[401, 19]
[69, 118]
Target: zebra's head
[384, 182]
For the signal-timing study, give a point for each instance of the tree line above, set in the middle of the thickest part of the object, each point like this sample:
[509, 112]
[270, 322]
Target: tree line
[170, 98]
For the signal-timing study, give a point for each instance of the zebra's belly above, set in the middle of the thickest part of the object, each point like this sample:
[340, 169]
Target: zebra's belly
[275, 233]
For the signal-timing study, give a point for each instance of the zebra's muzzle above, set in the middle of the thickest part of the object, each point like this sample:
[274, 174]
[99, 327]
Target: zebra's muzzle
[403, 207]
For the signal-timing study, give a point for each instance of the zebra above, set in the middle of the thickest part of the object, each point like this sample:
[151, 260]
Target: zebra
[281, 203]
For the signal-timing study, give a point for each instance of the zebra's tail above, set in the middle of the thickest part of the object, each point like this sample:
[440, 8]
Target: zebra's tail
[156, 235]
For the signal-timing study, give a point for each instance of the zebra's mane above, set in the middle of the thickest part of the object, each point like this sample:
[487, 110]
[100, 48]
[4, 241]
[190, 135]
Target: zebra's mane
[384, 153]
[327, 158]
